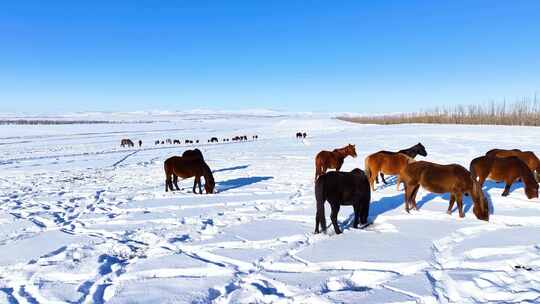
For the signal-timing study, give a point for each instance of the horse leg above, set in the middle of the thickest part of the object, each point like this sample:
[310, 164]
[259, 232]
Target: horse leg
[175, 181]
[383, 180]
[397, 183]
[199, 182]
[357, 208]
[319, 216]
[333, 217]
[406, 195]
[413, 198]
[506, 191]
[167, 184]
[451, 204]
[459, 199]
[339, 164]
[194, 185]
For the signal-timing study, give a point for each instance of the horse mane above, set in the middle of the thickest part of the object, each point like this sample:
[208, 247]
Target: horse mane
[342, 151]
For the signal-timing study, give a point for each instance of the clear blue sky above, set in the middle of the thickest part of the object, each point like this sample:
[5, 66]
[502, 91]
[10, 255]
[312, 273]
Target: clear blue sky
[363, 56]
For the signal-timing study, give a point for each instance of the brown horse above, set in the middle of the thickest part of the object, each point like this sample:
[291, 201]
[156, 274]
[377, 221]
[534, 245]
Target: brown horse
[507, 169]
[186, 167]
[441, 179]
[385, 162]
[528, 157]
[412, 152]
[332, 159]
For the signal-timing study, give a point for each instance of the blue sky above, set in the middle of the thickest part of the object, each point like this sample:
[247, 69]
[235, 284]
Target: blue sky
[361, 56]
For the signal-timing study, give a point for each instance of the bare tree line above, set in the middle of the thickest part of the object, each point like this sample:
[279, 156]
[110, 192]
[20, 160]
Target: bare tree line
[524, 112]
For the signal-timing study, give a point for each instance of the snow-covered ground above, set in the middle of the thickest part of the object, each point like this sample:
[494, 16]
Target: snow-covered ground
[85, 221]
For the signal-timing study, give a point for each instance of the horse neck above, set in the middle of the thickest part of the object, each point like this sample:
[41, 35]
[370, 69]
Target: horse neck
[342, 152]
[527, 176]
[207, 173]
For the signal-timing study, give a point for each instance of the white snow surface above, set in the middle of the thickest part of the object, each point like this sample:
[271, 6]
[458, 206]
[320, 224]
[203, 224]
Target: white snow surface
[83, 220]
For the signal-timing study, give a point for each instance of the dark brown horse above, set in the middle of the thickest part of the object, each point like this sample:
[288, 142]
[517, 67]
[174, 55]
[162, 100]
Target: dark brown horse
[442, 179]
[528, 157]
[342, 188]
[386, 162]
[507, 169]
[332, 159]
[412, 152]
[126, 142]
[186, 167]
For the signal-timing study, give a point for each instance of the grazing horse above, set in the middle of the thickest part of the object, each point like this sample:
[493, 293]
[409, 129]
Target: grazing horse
[412, 152]
[186, 167]
[156, 142]
[386, 162]
[126, 142]
[507, 169]
[213, 139]
[342, 188]
[298, 134]
[332, 159]
[441, 179]
[176, 141]
[528, 157]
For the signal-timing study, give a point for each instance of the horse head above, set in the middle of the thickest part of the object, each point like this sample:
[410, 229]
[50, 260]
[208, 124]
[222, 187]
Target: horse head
[481, 207]
[351, 150]
[420, 149]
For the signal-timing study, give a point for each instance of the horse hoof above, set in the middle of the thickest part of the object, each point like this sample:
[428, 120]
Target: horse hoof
[448, 212]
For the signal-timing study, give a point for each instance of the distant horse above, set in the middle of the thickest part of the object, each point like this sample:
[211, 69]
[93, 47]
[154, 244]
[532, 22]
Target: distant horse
[214, 139]
[187, 141]
[195, 153]
[169, 141]
[332, 159]
[156, 142]
[528, 157]
[176, 141]
[298, 134]
[126, 142]
[342, 188]
[412, 152]
[386, 162]
[183, 167]
[255, 137]
[441, 179]
[507, 169]
[304, 135]
[140, 143]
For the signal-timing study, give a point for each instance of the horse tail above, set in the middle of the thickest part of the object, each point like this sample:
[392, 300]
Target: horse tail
[167, 169]
[367, 169]
[318, 170]
[320, 197]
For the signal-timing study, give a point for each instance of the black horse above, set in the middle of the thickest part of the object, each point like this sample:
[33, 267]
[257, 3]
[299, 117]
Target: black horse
[342, 188]
[412, 152]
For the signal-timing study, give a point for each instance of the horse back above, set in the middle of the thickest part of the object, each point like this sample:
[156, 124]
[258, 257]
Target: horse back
[345, 187]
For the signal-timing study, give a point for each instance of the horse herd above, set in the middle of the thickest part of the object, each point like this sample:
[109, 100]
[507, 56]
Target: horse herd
[353, 188]
[126, 142]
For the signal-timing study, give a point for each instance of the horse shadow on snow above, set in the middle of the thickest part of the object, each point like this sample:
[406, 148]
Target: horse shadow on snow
[240, 182]
[389, 203]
